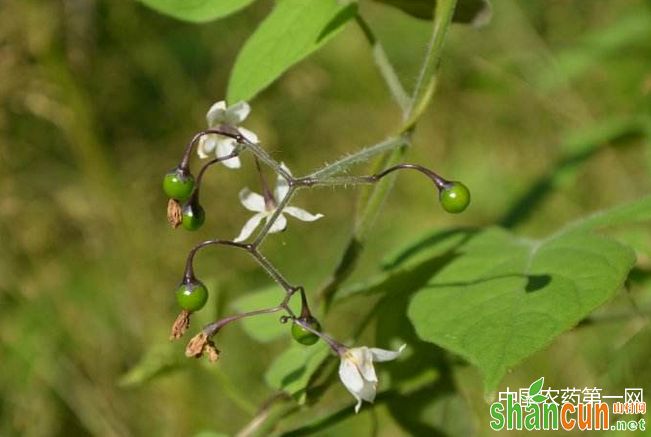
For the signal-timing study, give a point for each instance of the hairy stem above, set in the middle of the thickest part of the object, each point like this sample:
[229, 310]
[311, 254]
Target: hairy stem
[343, 164]
[440, 182]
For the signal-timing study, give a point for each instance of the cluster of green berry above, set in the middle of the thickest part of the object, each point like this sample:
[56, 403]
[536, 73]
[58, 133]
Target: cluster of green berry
[179, 185]
[184, 209]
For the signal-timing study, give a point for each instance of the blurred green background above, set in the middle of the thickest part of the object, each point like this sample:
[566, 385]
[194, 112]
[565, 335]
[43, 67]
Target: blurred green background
[544, 113]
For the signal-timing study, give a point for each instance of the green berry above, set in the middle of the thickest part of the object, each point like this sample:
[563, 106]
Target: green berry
[193, 216]
[178, 184]
[302, 335]
[455, 198]
[192, 296]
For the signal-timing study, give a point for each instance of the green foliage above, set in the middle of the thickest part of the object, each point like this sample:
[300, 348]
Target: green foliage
[265, 328]
[467, 11]
[595, 47]
[157, 360]
[293, 30]
[292, 370]
[628, 367]
[197, 10]
[503, 298]
[553, 99]
[634, 212]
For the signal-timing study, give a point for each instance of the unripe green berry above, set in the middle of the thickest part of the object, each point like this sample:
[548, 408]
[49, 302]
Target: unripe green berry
[455, 198]
[302, 335]
[193, 216]
[192, 296]
[178, 184]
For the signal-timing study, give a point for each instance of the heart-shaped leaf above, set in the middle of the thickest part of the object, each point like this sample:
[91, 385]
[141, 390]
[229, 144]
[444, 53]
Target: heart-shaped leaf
[504, 298]
[293, 30]
[197, 10]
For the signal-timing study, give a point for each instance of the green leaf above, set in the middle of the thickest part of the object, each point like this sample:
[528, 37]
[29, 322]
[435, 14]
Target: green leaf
[539, 398]
[633, 212]
[266, 327]
[157, 360]
[578, 146]
[475, 12]
[197, 10]
[292, 370]
[536, 386]
[425, 247]
[408, 267]
[505, 298]
[594, 48]
[293, 30]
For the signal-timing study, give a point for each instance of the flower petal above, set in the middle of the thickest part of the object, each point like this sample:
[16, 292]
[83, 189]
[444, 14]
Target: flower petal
[252, 201]
[367, 393]
[250, 226]
[358, 405]
[207, 144]
[237, 113]
[282, 185]
[252, 137]
[216, 114]
[380, 355]
[363, 359]
[350, 376]
[279, 225]
[225, 147]
[301, 214]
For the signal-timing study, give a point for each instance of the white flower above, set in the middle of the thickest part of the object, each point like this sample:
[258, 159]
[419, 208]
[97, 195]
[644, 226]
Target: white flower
[265, 208]
[358, 374]
[233, 115]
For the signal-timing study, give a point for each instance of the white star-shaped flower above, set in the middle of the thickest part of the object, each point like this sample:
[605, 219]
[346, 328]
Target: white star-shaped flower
[358, 374]
[265, 208]
[232, 115]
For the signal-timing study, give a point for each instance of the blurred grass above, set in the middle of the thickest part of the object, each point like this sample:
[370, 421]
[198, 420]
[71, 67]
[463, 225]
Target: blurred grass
[97, 100]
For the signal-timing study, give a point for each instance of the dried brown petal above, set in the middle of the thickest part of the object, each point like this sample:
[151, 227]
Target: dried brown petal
[200, 344]
[213, 353]
[181, 324]
[174, 213]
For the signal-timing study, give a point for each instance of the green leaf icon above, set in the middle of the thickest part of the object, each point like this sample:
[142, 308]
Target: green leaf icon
[539, 398]
[534, 388]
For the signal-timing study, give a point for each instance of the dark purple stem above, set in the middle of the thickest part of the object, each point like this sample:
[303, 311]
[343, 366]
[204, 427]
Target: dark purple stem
[189, 268]
[225, 130]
